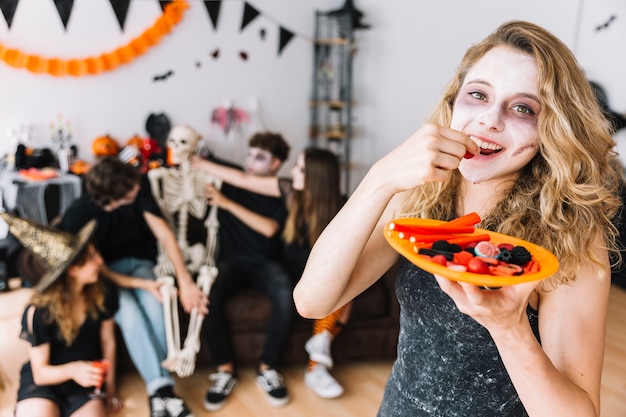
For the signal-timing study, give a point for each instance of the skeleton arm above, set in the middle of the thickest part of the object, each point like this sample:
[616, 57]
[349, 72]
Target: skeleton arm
[155, 176]
[190, 295]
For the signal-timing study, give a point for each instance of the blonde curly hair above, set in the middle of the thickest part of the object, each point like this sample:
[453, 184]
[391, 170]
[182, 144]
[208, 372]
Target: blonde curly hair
[568, 193]
[59, 301]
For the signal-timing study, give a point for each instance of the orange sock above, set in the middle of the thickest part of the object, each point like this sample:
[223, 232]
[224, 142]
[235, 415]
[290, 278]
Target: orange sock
[329, 323]
[337, 328]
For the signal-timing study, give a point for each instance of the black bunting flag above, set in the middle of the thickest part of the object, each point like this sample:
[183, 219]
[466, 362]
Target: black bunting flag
[120, 7]
[164, 3]
[285, 37]
[64, 7]
[8, 10]
[213, 7]
[249, 14]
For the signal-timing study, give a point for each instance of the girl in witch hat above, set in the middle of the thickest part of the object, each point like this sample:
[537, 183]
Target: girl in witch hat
[68, 323]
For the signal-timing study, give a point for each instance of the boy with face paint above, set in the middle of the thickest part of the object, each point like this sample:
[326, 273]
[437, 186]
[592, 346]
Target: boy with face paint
[250, 256]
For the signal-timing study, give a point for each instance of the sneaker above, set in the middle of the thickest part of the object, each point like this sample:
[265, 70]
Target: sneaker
[164, 403]
[157, 407]
[322, 383]
[223, 385]
[271, 382]
[176, 407]
[318, 348]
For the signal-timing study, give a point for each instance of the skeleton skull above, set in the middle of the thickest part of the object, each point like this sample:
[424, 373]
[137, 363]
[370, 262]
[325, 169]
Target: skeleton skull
[181, 142]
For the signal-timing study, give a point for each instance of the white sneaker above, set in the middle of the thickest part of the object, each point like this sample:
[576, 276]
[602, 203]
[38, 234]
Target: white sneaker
[318, 348]
[322, 383]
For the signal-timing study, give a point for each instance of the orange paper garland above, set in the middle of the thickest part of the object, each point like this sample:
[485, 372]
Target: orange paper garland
[108, 61]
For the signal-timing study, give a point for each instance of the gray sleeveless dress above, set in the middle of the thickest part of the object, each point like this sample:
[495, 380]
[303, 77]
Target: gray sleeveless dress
[447, 363]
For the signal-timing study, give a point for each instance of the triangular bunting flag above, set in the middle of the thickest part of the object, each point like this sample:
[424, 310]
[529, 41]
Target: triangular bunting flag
[249, 14]
[64, 7]
[8, 10]
[120, 7]
[213, 7]
[285, 37]
[164, 3]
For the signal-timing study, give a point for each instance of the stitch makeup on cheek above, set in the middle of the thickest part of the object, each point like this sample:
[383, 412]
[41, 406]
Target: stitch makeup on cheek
[524, 148]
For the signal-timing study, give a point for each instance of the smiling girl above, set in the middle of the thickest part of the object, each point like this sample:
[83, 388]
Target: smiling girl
[541, 168]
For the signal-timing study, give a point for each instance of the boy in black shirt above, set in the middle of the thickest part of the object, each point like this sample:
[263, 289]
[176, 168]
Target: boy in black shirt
[250, 256]
[129, 224]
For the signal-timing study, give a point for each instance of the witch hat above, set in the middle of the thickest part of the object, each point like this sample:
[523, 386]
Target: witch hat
[55, 249]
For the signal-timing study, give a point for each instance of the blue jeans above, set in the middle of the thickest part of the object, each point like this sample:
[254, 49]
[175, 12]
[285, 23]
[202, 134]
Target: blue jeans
[140, 318]
[269, 278]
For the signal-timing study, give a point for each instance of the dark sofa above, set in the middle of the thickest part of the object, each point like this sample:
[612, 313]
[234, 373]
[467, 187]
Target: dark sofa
[371, 332]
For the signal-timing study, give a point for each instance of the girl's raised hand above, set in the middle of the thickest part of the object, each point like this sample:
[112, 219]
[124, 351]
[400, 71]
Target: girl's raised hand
[428, 155]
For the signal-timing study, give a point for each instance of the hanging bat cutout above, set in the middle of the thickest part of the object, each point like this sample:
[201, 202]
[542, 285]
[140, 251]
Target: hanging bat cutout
[163, 76]
[606, 24]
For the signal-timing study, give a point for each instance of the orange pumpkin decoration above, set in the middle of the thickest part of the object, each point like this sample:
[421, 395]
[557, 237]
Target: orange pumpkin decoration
[105, 146]
[79, 167]
[136, 141]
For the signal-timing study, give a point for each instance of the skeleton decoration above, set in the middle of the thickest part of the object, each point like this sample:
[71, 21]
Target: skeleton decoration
[179, 191]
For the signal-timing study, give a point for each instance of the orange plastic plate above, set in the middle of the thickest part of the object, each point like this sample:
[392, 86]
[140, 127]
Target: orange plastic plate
[37, 174]
[547, 261]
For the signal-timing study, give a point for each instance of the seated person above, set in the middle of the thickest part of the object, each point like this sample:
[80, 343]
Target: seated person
[129, 222]
[313, 198]
[69, 324]
[250, 256]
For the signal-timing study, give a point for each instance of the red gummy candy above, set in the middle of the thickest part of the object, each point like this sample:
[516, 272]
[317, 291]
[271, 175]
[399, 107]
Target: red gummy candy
[439, 259]
[462, 258]
[478, 266]
[506, 246]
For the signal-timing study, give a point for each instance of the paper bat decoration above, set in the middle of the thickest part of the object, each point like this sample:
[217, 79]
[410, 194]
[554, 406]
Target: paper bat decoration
[163, 76]
[229, 117]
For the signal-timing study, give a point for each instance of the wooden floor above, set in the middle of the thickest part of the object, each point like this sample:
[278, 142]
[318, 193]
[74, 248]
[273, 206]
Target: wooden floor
[614, 375]
[363, 382]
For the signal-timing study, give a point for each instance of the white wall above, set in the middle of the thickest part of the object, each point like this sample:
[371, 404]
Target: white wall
[602, 53]
[401, 66]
